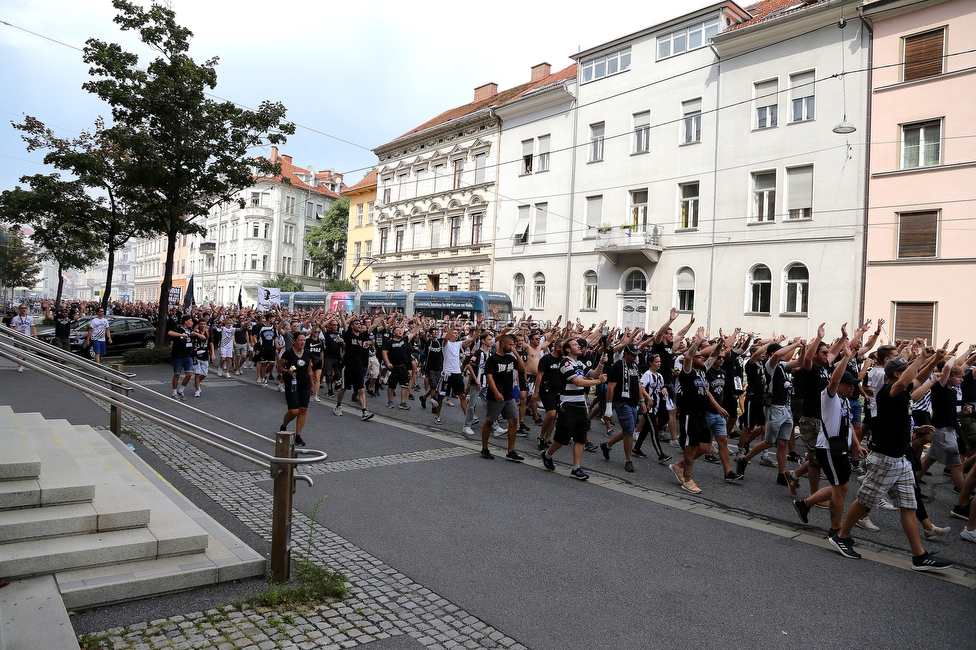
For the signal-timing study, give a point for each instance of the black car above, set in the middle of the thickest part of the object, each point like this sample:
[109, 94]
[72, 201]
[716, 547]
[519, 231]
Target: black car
[127, 332]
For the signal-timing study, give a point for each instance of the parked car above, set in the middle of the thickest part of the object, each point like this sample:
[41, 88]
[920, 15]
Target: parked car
[127, 333]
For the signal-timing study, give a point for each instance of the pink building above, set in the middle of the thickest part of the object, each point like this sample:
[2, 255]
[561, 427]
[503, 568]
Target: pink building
[921, 224]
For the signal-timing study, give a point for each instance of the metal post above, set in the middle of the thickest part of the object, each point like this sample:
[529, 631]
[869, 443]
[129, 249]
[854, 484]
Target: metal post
[115, 423]
[283, 475]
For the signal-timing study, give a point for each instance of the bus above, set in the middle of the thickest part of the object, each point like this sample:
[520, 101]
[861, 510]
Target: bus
[494, 306]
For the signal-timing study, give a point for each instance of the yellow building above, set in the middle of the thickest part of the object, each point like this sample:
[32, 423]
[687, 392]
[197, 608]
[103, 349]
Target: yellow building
[359, 241]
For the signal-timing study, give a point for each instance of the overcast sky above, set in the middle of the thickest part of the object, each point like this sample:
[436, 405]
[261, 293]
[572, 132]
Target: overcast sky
[364, 72]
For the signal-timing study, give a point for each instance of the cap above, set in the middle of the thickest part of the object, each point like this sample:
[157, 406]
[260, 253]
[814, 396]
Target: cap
[848, 378]
[895, 365]
[582, 342]
[630, 348]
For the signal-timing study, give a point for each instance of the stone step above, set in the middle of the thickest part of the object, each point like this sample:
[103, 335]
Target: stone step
[19, 462]
[37, 523]
[45, 556]
[33, 617]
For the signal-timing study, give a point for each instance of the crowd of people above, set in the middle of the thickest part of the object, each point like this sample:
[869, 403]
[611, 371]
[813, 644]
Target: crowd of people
[885, 413]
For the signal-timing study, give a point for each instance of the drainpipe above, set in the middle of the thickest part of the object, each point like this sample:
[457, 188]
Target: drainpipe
[572, 204]
[711, 262]
[494, 219]
[867, 163]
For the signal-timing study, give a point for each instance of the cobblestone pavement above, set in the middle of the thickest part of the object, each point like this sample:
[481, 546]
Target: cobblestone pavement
[381, 601]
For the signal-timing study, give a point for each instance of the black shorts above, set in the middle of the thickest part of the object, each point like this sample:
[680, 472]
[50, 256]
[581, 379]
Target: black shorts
[398, 376]
[352, 378]
[836, 468]
[298, 398]
[694, 431]
[572, 424]
[264, 355]
[550, 401]
[754, 416]
[921, 418]
[453, 384]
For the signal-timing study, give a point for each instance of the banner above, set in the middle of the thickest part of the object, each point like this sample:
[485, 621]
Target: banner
[269, 297]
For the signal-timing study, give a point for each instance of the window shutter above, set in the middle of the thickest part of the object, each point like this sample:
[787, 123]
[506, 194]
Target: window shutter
[802, 84]
[924, 55]
[691, 106]
[918, 234]
[543, 144]
[766, 92]
[800, 181]
[914, 320]
[686, 279]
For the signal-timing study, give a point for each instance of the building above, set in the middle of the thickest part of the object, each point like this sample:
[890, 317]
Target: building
[359, 241]
[150, 267]
[123, 277]
[921, 234]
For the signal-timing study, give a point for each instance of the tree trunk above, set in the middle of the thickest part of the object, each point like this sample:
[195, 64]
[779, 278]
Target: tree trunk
[163, 311]
[108, 278]
[57, 298]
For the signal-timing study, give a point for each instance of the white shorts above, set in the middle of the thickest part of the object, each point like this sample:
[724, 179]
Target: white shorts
[201, 367]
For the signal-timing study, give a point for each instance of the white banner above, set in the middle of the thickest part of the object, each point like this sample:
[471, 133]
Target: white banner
[268, 297]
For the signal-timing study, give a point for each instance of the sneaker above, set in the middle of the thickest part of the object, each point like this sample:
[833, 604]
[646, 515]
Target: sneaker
[538, 421]
[551, 466]
[437, 419]
[410, 396]
[404, 407]
[605, 450]
[522, 433]
[196, 393]
[960, 512]
[589, 446]
[663, 459]
[936, 531]
[858, 469]
[765, 461]
[639, 453]
[629, 467]
[499, 432]
[846, 547]
[691, 486]
[886, 505]
[449, 402]
[337, 410]
[578, 473]
[367, 415]
[423, 402]
[793, 457]
[740, 465]
[475, 421]
[732, 477]
[868, 525]
[176, 397]
[678, 472]
[802, 510]
[467, 432]
[673, 443]
[523, 428]
[968, 535]
[928, 562]
[825, 505]
[20, 368]
[487, 455]
[712, 458]
[317, 398]
[792, 482]
[609, 432]
[389, 405]
[781, 480]
[299, 441]
[514, 456]
[543, 443]
[180, 396]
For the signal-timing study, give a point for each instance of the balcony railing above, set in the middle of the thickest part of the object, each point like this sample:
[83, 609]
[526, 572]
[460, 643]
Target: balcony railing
[645, 240]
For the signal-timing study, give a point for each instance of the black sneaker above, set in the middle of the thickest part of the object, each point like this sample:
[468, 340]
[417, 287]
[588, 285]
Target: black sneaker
[589, 446]
[547, 462]
[712, 458]
[423, 402]
[639, 453]
[410, 396]
[740, 466]
[578, 473]
[793, 457]
[523, 428]
[514, 456]
[299, 441]
[331, 393]
[781, 480]
[605, 450]
[960, 512]
[846, 548]
[367, 415]
[663, 459]
[487, 455]
[629, 467]
[802, 510]
[538, 421]
[404, 406]
[542, 443]
[928, 562]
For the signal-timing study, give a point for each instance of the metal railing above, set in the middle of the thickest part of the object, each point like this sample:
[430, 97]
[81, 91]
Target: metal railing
[92, 379]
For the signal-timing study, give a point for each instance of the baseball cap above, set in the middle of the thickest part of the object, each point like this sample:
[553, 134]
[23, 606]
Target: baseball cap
[630, 348]
[582, 342]
[848, 378]
[895, 365]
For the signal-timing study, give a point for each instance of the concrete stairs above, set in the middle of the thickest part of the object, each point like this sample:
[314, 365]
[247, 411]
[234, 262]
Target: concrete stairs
[79, 506]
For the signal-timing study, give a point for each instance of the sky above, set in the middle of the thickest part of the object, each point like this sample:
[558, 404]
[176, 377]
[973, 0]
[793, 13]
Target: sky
[352, 76]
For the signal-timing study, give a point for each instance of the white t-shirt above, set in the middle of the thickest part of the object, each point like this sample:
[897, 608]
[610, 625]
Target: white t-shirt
[832, 411]
[876, 377]
[452, 357]
[97, 326]
[22, 324]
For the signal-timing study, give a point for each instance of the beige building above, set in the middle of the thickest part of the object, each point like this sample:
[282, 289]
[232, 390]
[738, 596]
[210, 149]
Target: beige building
[359, 242]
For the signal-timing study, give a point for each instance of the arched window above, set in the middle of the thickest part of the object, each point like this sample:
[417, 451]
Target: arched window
[538, 291]
[685, 285]
[761, 283]
[589, 290]
[797, 289]
[636, 281]
[518, 291]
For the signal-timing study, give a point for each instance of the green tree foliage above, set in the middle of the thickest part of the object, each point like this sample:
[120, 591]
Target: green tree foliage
[285, 283]
[325, 244]
[19, 264]
[339, 285]
[60, 213]
[186, 151]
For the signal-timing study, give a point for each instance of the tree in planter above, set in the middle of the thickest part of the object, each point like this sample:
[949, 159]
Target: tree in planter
[60, 214]
[19, 264]
[325, 244]
[185, 152]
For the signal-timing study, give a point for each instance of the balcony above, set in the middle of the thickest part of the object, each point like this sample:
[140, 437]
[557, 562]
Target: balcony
[208, 247]
[616, 243]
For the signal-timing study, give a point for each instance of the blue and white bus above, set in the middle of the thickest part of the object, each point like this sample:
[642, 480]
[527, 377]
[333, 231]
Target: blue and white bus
[494, 306]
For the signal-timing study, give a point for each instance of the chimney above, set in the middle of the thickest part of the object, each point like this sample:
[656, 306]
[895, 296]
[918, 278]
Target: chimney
[540, 71]
[286, 159]
[274, 153]
[490, 89]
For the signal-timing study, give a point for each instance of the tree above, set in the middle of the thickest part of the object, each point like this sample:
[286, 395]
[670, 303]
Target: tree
[285, 283]
[18, 260]
[339, 285]
[59, 212]
[325, 244]
[185, 151]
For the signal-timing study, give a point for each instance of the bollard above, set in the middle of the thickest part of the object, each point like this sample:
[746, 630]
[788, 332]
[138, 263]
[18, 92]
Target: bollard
[283, 475]
[115, 422]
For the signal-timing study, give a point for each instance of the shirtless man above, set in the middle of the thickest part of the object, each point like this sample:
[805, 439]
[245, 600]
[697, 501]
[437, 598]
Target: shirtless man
[534, 351]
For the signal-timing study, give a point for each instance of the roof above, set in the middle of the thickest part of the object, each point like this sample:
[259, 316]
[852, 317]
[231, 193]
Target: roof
[769, 9]
[297, 175]
[368, 182]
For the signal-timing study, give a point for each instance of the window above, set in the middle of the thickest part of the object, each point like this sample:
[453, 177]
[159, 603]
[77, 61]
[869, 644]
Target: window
[289, 234]
[474, 282]
[439, 171]
[223, 232]
[764, 197]
[636, 281]
[918, 234]
[290, 205]
[689, 205]
[802, 97]
[477, 221]
[799, 188]
[384, 239]
[307, 267]
[539, 291]
[480, 160]
[767, 104]
[455, 232]
[255, 229]
[761, 285]
[359, 214]
[421, 182]
[527, 156]
[458, 173]
[286, 265]
[518, 291]
[369, 212]
[398, 239]
[369, 247]
[318, 210]
[387, 191]
[691, 121]
[267, 231]
[435, 233]
[256, 199]
[264, 262]
[684, 282]
[452, 282]
[642, 132]
[359, 251]
[594, 212]
[914, 320]
[542, 164]
[687, 38]
[596, 141]
[638, 210]
[365, 284]
[606, 65]
[402, 186]
[309, 209]
[921, 144]
[797, 289]
[418, 235]
[924, 55]
[397, 283]
[521, 233]
[220, 262]
[541, 214]
[589, 290]
[254, 262]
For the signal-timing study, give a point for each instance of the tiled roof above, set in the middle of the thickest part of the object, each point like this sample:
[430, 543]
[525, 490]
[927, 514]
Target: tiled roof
[368, 181]
[769, 9]
[502, 97]
[296, 174]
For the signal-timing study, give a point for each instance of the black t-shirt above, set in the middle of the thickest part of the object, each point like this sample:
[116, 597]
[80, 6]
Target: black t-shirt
[434, 359]
[502, 369]
[616, 376]
[781, 385]
[693, 398]
[944, 402]
[717, 380]
[356, 353]
[315, 347]
[62, 327]
[240, 335]
[398, 352]
[201, 348]
[814, 381]
[968, 385]
[266, 338]
[333, 345]
[666, 352]
[182, 348]
[552, 381]
[301, 365]
[733, 369]
[891, 430]
[756, 379]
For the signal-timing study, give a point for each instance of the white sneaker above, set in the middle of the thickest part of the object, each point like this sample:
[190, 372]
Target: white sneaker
[449, 402]
[886, 505]
[936, 532]
[467, 431]
[968, 535]
[20, 368]
[196, 393]
[867, 525]
[317, 399]
[766, 462]
[337, 411]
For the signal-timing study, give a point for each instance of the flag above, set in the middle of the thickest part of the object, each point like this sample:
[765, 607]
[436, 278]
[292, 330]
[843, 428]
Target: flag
[240, 302]
[188, 300]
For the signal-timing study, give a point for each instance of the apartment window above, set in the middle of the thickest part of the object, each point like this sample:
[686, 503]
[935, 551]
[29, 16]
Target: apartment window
[594, 212]
[233, 231]
[369, 248]
[384, 239]
[398, 235]
[453, 282]
[539, 291]
[521, 233]
[477, 221]
[359, 252]
[369, 212]
[220, 263]
[687, 38]
[458, 173]
[914, 320]
[797, 289]
[606, 65]
[474, 282]
[691, 121]
[418, 235]
[397, 283]
[256, 199]
[541, 215]
[767, 104]
[439, 170]
[542, 163]
[309, 210]
[924, 55]
[589, 290]
[684, 282]
[435, 233]
[267, 231]
[233, 264]
[636, 281]
[264, 262]
[764, 197]
[402, 186]
[255, 229]
[638, 210]
[527, 146]
[387, 190]
[421, 182]
[802, 98]
[286, 265]
[921, 144]
[760, 289]
[518, 291]
[289, 234]
[455, 232]
[918, 234]
[291, 204]
[799, 188]
[689, 205]
[642, 132]
[596, 141]
[365, 284]
[223, 232]
[319, 210]
[415, 283]
[254, 262]
[480, 162]
[359, 214]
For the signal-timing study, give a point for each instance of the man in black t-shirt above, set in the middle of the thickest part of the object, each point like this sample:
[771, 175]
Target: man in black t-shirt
[624, 394]
[182, 355]
[295, 368]
[664, 347]
[547, 385]
[500, 374]
[398, 361]
[357, 345]
[332, 357]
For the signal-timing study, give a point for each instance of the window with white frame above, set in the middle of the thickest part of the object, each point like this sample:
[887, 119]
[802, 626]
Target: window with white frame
[452, 282]
[474, 281]
[527, 146]
[417, 240]
[384, 239]
[254, 262]
[398, 283]
[597, 132]
[267, 231]
[286, 265]
[539, 291]
[921, 144]
[760, 289]
[594, 213]
[477, 223]
[289, 234]
[386, 189]
[398, 236]
[369, 247]
[638, 210]
[421, 182]
[767, 104]
[518, 291]
[799, 189]
[606, 65]
[684, 283]
[642, 132]
[685, 39]
[307, 267]
[763, 196]
[802, 96]
[691, 121]
[480, 162]
[255, 230]
[688, 209]
[359, 252]
[797, 289]
[521, 233]
[455, 232]
[370, 208]
[636, 281]
[402, 185]
[590, 282]
[458, 173]
[541, 216]
[440, 171]
[435, 233]
[542, 161]
[291, 205]
[359, 214]
[264, 263]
